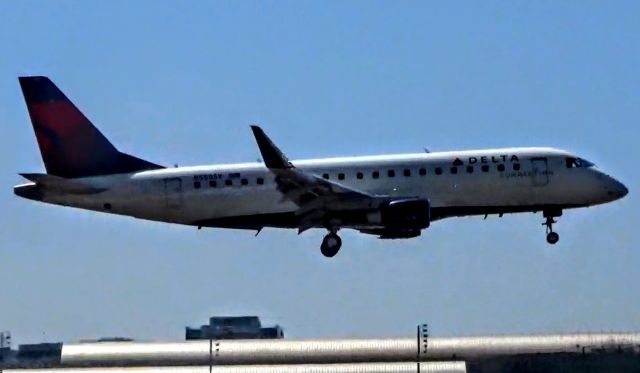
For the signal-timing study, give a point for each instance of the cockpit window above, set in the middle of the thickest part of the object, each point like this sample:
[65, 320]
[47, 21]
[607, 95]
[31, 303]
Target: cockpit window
[586, 163]
[573, 162]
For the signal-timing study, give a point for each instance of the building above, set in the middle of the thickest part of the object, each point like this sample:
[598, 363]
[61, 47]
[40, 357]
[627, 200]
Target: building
[234, 327]
[5, 340]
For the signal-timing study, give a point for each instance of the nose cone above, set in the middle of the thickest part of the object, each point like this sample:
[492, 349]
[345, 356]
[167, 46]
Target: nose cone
[616, 189]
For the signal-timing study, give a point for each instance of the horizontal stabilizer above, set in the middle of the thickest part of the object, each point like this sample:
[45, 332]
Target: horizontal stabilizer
[60, 184]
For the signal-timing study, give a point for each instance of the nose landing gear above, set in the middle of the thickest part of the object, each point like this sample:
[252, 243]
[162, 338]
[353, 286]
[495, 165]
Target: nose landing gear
[331, 244]
[552, 237]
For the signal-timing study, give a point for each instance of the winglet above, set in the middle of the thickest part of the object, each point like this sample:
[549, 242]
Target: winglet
[272, 156]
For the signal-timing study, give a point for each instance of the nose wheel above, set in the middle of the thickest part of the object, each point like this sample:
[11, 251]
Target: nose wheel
[331, 245]
[552, 237]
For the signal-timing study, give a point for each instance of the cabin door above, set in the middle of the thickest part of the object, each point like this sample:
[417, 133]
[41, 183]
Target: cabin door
[539, 171]
[173, 192]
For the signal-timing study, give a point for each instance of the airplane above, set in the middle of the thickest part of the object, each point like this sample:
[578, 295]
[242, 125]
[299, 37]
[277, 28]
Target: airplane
[388, 196]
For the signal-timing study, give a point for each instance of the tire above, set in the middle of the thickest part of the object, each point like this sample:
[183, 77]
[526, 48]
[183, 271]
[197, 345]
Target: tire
[553, 238]
[331, 245]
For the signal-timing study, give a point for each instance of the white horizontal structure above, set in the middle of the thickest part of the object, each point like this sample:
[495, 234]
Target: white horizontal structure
[231, 352]
[326, 351]
[406, 367]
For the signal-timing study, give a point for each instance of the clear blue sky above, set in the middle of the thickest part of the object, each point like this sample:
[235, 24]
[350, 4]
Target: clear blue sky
[178, 82]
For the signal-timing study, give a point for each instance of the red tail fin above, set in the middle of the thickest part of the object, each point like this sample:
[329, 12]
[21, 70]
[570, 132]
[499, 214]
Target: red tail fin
[71, 146]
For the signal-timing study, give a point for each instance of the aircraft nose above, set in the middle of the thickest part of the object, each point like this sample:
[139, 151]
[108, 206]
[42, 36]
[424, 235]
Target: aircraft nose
[616, 189]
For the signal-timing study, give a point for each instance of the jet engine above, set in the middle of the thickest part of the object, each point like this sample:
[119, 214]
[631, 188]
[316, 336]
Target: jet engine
[402, 214]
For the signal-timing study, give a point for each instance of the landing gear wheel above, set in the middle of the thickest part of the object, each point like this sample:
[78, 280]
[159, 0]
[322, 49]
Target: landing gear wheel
[331, 245]
[553, 238]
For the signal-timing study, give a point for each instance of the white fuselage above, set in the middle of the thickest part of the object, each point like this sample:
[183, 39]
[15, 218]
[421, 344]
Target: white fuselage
[454, 183]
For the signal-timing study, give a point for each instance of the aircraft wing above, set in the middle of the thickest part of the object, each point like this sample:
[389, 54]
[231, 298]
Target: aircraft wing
[315, 196]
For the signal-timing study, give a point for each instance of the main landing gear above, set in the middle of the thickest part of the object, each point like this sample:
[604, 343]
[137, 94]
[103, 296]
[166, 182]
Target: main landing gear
[552, 237]
[331, 244]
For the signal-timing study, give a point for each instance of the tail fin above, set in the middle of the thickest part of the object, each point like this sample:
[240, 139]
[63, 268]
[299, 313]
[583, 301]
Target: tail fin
[71, 146]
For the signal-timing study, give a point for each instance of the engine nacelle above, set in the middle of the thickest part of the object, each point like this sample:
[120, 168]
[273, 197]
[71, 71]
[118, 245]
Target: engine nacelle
[403, 214]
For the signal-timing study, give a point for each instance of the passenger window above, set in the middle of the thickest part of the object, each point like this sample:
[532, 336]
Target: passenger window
[500, 167]
[196, 185]
[391, 173]
[325, 176]
[260, 181]
[422, 171]
[516, 166]
[340, 176]
[212, 183]
[228, 182]
[485, 168]
[438, 171]
[454, 170]
[359, 175]
[375, 174]
[244, 182]
[470, 169]
[406, 172]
